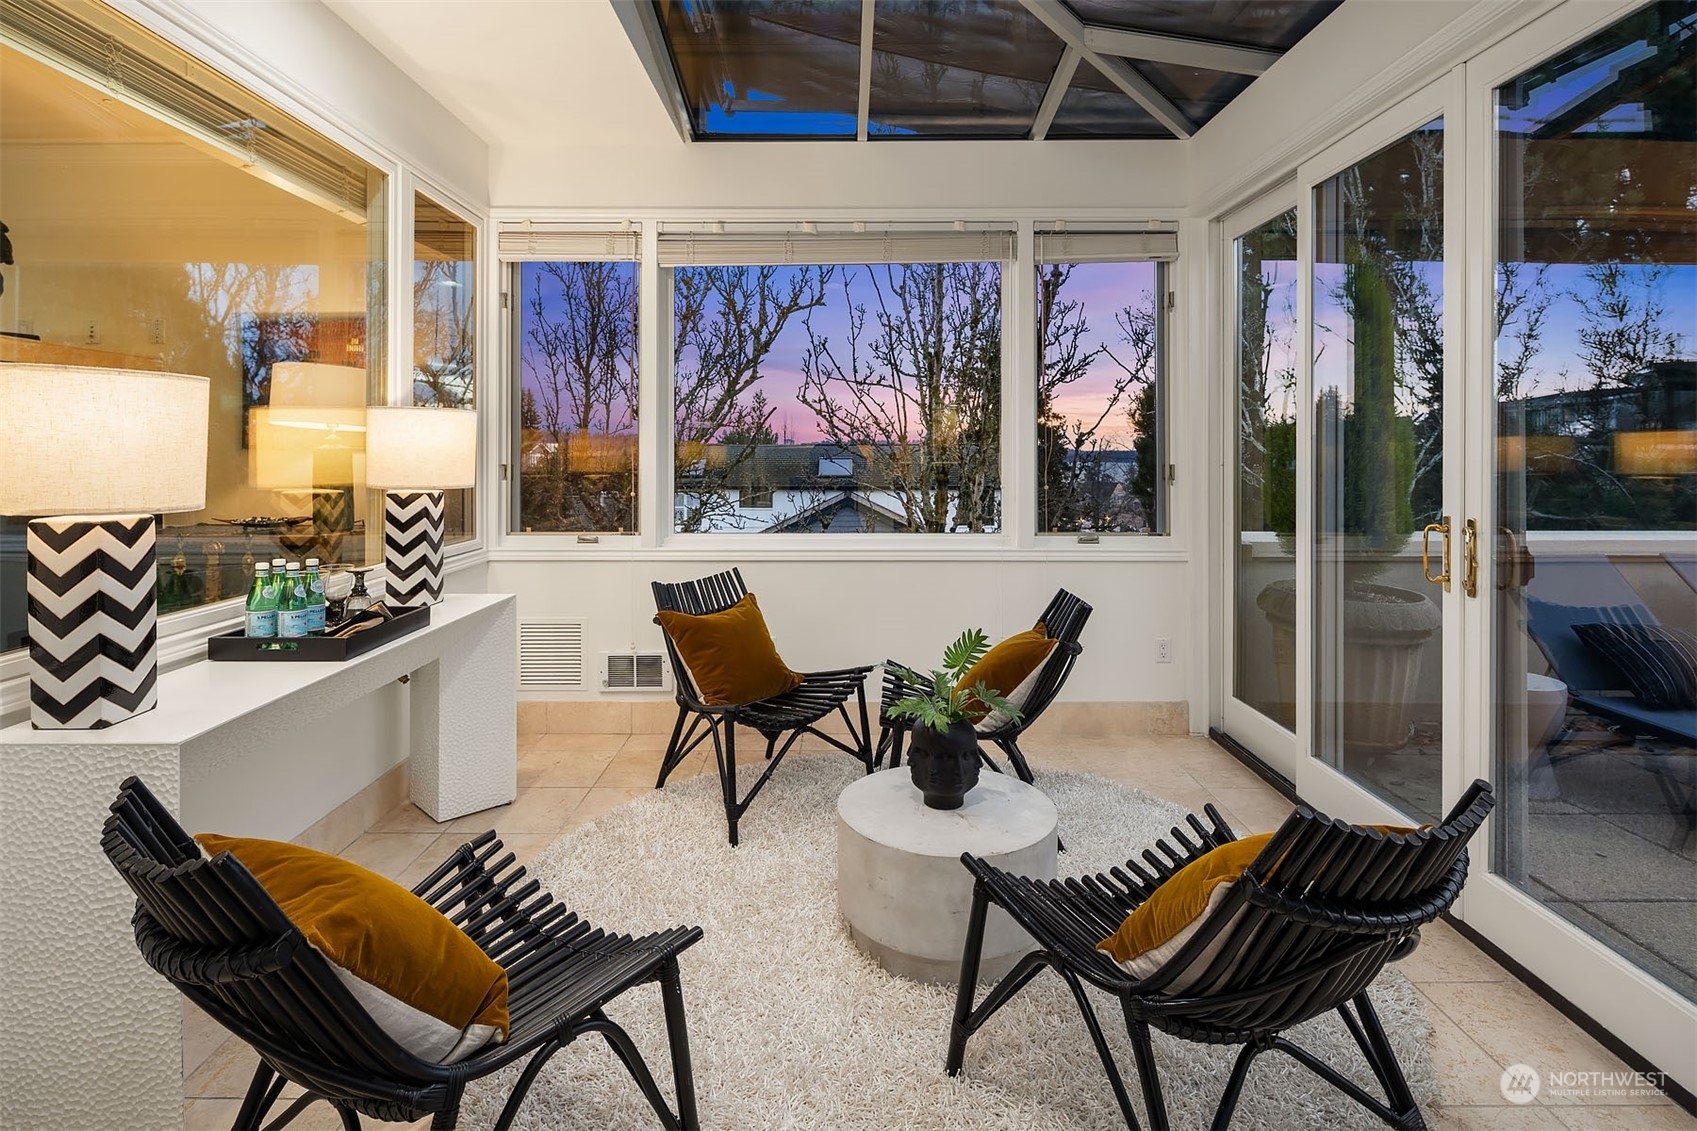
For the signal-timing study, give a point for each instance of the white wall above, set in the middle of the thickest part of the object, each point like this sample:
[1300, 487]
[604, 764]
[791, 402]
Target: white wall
[719, 179]
[299, 54]
[848, 609]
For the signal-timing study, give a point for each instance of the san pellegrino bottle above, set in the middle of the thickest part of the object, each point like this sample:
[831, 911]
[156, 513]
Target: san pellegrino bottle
[315, 611]
[262, 602]
[292, 612]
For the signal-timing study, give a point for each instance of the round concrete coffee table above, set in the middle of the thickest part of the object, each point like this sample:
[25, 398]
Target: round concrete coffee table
[901, 885]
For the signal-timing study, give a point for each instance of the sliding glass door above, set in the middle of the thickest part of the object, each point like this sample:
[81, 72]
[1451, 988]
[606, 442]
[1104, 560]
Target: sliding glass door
[1463, 513]
[1590, 485]
[1374, 438]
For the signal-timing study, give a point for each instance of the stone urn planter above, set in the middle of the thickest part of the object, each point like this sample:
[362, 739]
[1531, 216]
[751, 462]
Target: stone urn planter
[1385, 635]
[944, 765]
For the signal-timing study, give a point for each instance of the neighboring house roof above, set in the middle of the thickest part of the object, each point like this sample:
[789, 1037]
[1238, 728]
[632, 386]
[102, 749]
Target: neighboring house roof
[830, 512]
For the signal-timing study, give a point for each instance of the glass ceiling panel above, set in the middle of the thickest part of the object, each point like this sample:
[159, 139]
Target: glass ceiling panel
[958, 68]
[1200, 94]
[766, 68]
[1095, 107]
[1276, 24]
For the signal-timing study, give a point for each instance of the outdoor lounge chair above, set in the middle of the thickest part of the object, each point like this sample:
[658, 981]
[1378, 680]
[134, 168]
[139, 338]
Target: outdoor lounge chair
[1064, 621]
[208, 926]
[787, 716]
[1567, 592]
[1303, 932]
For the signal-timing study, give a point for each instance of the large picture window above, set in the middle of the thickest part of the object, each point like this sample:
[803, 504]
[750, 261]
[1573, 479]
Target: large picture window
[838, 396]
[1099, 388]
[196, 230]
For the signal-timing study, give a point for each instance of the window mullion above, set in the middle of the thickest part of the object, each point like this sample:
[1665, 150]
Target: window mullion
[653, 393]
[1019, 391]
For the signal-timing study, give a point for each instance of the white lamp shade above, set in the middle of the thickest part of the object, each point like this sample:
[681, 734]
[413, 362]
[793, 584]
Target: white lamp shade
[291, 458]
[101, 441]
[421, 449]
[310, 394]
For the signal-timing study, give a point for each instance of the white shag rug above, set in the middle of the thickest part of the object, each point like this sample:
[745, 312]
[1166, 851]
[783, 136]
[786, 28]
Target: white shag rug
[791, 1026]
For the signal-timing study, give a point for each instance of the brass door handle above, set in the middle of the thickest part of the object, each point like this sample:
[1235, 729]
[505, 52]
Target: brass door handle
[1443, 527]
[1470, 558]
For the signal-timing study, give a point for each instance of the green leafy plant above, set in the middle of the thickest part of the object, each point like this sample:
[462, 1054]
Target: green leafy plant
[938, 701]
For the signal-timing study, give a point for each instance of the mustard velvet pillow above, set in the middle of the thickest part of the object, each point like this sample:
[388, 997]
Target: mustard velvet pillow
[1009, 669]
[420, 977]
[1160, 926]
[1163, 923]
[730, 655]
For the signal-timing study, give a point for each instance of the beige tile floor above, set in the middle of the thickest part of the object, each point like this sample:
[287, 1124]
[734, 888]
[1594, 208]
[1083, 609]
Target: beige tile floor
[1483, 1019]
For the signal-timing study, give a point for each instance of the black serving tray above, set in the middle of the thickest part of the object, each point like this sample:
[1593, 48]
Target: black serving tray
[315, 649]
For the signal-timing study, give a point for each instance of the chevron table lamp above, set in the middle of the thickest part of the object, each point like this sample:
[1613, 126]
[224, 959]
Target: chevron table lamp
[103, 451]
[416, 453]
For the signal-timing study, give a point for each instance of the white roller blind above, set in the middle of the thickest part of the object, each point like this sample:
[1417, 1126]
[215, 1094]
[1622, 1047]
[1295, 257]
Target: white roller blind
[517, 242]
[716, 250]
[1105, 247]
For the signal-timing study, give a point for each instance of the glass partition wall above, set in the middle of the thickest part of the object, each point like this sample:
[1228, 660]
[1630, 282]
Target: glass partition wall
[197, 230]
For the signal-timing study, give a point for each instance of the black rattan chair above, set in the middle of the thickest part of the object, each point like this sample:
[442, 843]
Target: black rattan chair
[211, 929]
[787, 716]
[1064, 620]
[1306, 929]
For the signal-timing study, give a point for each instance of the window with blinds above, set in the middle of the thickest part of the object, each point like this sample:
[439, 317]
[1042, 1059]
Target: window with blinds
[1101, 460]
[573, 309]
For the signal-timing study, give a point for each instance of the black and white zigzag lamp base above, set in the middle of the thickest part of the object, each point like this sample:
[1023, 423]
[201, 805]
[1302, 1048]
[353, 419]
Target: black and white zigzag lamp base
[93, 637]
[412, 547]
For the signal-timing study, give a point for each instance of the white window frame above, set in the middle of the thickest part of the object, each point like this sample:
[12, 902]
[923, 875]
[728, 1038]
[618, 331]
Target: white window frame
[1016, 541]
[401, 356]
[1100, 246]
[556, 243]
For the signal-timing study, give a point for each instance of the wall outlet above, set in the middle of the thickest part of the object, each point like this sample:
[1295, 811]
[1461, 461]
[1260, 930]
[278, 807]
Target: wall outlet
[91, 332]
[1163, 650]
[156, 331]
[26, 325]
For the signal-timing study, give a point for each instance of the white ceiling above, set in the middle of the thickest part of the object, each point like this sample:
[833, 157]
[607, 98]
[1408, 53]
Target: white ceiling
[521, 72]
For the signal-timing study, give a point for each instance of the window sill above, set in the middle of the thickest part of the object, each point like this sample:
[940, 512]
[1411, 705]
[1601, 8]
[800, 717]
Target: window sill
[742, 549]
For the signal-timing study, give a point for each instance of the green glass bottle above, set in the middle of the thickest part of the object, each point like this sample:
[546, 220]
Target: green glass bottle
[292, 611]
[315, 610]
[262, 603]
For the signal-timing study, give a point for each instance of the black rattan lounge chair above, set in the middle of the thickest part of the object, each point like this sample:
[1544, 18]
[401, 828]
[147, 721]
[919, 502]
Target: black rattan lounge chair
[1305, 931]
[792, 714]
[1064, 620]
[211, 929]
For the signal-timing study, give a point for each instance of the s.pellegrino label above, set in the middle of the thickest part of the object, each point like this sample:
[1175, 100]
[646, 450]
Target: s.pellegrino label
[262, 603]
[294, 615]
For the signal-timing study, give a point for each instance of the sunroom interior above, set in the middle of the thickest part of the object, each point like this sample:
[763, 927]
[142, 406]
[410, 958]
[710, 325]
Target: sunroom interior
[1341, 355]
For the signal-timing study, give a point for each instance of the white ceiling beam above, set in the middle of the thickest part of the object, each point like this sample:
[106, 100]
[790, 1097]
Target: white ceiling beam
[1058, 83]
[641, 22]
[1060, 20]
[1179, 50]
[864, 113]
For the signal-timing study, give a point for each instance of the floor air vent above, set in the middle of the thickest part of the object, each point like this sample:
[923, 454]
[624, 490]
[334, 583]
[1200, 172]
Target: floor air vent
[550, 653]
[633, 671]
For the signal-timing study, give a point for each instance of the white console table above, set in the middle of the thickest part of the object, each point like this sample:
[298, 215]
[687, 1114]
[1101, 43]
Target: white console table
[90, 1038]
